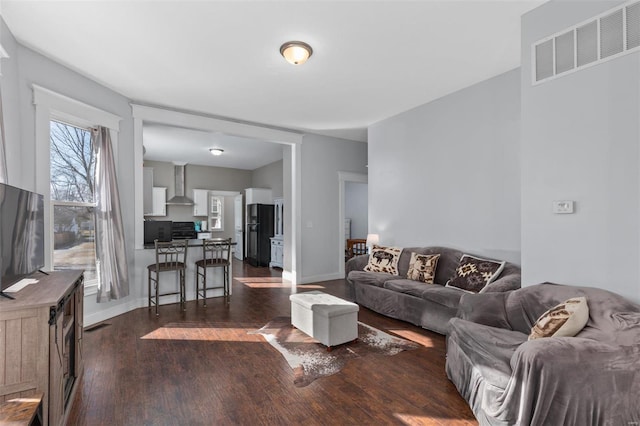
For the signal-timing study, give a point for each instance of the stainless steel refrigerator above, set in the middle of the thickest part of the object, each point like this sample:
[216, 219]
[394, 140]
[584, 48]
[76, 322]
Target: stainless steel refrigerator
[259, 231]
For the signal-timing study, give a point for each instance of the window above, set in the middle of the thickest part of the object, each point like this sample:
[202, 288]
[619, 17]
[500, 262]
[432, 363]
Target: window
[216, 212]
[72, 171]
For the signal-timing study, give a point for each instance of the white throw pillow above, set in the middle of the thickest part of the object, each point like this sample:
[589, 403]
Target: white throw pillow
[384, 259]
[563, 320]
[422, 267]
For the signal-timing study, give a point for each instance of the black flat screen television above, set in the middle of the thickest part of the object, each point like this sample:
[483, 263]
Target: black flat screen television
[21, 234]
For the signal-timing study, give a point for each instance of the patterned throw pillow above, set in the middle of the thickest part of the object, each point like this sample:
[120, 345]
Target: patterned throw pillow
[474, 273]
[565, 319]
[422, 267]
[384, 259]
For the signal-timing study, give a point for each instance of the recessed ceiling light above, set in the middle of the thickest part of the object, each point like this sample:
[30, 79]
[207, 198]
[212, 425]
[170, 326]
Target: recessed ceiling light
[296, 52]
[216, 151]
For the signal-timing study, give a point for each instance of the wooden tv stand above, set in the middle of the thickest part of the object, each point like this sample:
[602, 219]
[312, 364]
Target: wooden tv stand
[42, 332]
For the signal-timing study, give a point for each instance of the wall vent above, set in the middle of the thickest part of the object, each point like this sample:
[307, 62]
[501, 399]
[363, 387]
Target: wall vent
[609, 35]
[565, 55]
[633, 25]
[587, 43]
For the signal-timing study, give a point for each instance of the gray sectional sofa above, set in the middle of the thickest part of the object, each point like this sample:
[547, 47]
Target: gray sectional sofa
[590, 379]
[429, 306]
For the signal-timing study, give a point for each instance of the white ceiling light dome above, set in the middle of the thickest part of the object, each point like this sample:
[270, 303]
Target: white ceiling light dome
[296, 52]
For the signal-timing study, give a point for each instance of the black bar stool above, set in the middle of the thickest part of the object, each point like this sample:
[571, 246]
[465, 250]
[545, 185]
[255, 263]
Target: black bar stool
[216, 253]
[170, 257]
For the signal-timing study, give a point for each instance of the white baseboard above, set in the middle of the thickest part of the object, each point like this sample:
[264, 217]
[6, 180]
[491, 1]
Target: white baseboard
[114, 311]
[123, 308]
[324, 277]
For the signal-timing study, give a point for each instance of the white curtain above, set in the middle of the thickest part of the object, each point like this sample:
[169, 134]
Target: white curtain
[111, 264]
[3, 160]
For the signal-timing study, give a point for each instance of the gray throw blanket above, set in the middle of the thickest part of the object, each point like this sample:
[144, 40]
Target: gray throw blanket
[590, 379]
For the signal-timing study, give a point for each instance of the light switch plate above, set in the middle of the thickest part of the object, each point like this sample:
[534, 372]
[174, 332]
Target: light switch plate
[563, 207]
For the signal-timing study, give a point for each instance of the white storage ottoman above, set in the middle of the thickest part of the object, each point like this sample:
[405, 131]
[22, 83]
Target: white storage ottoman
[324, 317]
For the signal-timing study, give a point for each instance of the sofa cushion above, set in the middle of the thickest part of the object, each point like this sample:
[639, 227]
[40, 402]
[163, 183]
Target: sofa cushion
[422, 267]
[414, 288]
[474, 273]
[384, 259]
[449, 297]
[439, 294]
[489, 349]
[563, 320]
[371, 278]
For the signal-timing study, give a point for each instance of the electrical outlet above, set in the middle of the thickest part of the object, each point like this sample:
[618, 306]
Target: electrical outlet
[563, 207]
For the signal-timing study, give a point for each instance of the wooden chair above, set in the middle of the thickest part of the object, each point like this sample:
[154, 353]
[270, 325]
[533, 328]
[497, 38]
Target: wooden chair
[170, 257]
[216, 253]
[355, 247]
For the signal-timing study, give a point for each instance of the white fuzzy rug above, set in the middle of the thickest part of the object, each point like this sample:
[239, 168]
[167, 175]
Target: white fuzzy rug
[310, 360]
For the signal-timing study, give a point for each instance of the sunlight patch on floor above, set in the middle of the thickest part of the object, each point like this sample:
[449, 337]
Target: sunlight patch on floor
[268, 285]
[264, 282]
[425, 341]
[204, 333]
[272, 282]
[410, 419]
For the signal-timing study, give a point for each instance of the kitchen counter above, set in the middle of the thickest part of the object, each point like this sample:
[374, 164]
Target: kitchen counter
[197, 242]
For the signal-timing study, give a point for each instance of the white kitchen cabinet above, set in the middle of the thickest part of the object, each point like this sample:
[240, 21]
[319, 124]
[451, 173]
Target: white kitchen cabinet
[277, 252]
[200, 202]
[159, 202]
[257, 196]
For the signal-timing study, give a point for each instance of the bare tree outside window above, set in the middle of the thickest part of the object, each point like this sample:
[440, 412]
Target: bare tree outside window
[72, 168]
[72, 164]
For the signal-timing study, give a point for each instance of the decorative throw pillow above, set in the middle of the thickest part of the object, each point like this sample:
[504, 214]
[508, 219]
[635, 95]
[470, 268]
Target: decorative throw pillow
[474, 273]
[422, 267]
[384, 259]
[565, 319]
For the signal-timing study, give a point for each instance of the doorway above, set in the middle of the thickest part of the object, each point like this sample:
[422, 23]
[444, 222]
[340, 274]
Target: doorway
[353, 204]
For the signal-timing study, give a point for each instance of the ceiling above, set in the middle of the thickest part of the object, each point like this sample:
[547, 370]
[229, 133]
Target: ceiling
[168, 143]
[372, 59]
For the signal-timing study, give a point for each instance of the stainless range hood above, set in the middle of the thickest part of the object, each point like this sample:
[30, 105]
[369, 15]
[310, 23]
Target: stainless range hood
[179, 199]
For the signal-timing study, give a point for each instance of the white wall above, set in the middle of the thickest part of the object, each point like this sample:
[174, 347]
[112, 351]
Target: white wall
[269, 176]
[11, 108]
[448, 172]
[580, 136]
[322, 158]
[356, 208]
[33, 68]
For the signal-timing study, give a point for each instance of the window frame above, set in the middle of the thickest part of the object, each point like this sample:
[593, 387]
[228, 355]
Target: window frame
[54, 203]
[50, 105]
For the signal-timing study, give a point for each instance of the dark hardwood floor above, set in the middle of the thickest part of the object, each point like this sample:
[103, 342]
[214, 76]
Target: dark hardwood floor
[146, 370]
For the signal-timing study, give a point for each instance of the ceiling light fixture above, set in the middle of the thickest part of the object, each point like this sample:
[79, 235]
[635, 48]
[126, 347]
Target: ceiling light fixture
[296, 52]
[216, 151]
